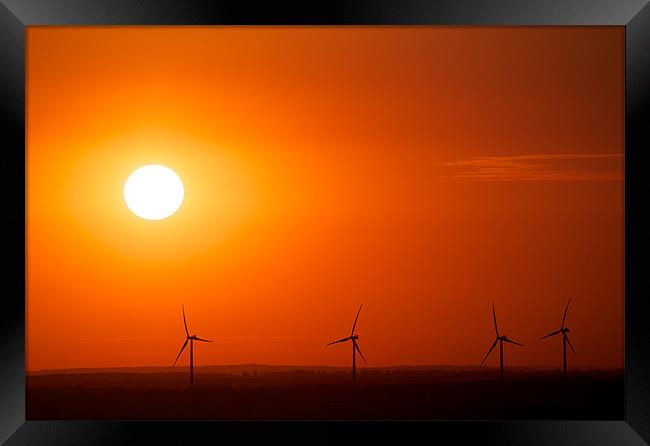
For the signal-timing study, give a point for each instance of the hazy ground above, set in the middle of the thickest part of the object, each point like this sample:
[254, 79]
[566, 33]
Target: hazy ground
[270, 392]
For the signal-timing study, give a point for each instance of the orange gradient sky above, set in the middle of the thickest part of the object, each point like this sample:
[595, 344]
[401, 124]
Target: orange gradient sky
[421, 171]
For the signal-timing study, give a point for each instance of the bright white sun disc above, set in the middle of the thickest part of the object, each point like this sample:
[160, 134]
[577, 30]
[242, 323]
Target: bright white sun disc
[153, 192]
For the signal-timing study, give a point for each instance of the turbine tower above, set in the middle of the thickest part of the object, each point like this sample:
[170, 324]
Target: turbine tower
[499, 339]
[191, 340]
[565, 338]
[355, 347]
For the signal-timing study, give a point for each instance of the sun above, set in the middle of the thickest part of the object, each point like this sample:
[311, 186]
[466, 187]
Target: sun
[153, 192]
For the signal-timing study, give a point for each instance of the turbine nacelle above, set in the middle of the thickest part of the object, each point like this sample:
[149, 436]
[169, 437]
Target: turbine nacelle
[505, 338]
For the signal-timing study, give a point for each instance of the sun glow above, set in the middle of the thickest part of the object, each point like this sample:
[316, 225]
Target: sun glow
[153, 192]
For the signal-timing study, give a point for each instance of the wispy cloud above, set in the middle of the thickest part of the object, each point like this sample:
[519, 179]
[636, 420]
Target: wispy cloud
[539, 167]
[124, 339]
[405, 284]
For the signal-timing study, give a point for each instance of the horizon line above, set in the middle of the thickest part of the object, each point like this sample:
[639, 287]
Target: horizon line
[302, 366]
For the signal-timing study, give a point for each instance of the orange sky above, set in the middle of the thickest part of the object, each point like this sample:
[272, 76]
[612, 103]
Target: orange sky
[421, 171]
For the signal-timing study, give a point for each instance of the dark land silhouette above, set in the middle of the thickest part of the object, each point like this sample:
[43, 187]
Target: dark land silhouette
[314, 393]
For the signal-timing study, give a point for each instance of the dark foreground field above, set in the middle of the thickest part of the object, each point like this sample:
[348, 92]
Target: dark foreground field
[325, 394]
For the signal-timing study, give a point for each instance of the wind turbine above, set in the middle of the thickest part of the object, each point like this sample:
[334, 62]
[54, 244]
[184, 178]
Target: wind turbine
[500, 339]
[565, 338]
[191, 340]
[355, 347]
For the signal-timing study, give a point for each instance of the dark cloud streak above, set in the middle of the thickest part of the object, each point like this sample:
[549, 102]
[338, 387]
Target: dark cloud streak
[539, 167]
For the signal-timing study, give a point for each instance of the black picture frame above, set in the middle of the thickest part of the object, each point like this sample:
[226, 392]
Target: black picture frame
[15, 15]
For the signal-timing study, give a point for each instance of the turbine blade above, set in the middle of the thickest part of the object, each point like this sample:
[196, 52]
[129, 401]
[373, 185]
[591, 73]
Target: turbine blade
[569, 342]
[356, 346]
[202, 340]
[513, 342]
[185, 322]
[340, 340]
[179, 353]
[565, 310]
[489, 351]
[494, 317]
[355, 320]
[551, 334]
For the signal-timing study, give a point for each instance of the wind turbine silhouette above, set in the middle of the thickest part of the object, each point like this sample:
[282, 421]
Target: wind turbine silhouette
[355, 347]
[500, 340]
[191, 340]
[565, 338]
